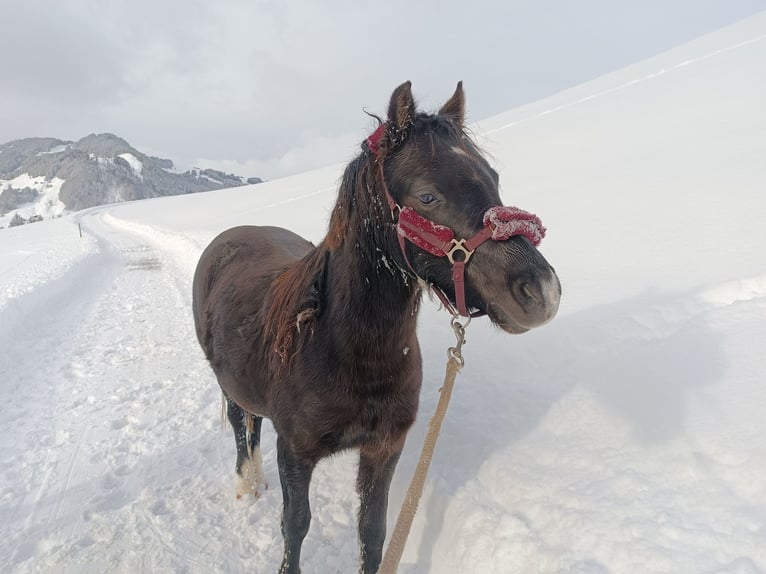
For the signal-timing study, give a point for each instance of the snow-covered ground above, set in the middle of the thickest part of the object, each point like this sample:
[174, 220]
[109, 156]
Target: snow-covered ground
[627, 436]
[31, 256]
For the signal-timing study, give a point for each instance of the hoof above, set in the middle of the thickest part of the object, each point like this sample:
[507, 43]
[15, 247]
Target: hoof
[245, 488]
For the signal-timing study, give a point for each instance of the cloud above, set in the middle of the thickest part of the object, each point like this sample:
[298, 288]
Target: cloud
[319, 152]
[66, 59]
[259, 83]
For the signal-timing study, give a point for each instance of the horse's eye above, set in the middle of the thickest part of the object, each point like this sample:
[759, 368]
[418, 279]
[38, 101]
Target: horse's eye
[426, 198]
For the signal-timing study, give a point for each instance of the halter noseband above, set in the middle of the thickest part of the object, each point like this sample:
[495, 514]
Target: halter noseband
[500, 223]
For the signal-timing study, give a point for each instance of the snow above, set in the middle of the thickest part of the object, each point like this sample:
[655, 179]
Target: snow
[135, 164]
[625, 436]
[35, 254]
[47, 205]
[55, 149]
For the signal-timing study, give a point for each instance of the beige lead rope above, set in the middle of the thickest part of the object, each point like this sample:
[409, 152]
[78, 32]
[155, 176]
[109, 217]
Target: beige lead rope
[455, 362]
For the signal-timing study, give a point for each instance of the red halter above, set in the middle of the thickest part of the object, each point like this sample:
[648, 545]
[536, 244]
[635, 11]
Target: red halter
[500, 223]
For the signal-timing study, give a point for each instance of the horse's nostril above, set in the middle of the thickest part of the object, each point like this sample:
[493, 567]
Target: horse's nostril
[525, 288]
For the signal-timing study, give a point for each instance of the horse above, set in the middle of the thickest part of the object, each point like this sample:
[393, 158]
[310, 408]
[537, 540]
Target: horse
[322, 339]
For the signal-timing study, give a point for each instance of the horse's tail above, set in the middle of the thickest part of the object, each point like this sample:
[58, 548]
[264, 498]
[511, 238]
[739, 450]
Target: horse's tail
[249, 428]
[223, 411]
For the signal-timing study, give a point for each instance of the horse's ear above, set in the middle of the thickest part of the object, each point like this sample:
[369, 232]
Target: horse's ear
[401, 110]
[455, 106]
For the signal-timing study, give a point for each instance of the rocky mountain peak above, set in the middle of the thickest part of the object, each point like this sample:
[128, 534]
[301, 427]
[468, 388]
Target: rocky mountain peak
[105, 145]
[48, 175]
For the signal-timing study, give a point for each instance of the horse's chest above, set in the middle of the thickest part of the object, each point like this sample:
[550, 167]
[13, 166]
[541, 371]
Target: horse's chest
[370, 419]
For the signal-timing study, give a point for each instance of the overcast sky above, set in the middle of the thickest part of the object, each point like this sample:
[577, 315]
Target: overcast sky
[269, 88]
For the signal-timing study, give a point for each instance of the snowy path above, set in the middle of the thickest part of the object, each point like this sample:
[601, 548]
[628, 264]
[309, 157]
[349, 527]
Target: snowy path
[121, 465]
[91, 449]
[625, 430]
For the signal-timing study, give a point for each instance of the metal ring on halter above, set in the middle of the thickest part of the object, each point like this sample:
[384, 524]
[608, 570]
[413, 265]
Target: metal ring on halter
[458, 245]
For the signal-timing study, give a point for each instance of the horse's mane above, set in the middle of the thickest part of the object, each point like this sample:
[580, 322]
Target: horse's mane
[295, 299]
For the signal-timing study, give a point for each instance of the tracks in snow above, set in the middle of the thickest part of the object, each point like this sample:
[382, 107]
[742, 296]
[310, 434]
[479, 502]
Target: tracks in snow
[111, 454]
[102, 380]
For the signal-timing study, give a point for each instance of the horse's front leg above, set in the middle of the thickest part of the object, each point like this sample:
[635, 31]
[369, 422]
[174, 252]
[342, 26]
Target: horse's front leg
[295, 476]
[376, 468]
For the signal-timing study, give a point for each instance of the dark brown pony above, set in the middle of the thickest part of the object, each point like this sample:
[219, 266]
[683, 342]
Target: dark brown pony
[322, 340]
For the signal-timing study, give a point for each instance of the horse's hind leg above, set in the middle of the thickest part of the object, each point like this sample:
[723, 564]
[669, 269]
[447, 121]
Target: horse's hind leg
[247, 434]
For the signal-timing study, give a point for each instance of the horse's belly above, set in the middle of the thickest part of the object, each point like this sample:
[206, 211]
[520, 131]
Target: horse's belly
[247, 397]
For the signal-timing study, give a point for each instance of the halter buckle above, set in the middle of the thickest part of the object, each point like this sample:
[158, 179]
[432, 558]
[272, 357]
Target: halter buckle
[395, 209]
[458, 245]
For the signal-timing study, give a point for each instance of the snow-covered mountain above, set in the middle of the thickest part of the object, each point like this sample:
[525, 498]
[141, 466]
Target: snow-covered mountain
[627, 436]
[45, 176]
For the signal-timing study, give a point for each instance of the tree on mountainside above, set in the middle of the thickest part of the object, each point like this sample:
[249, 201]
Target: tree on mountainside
[16, 220]
[12, 198]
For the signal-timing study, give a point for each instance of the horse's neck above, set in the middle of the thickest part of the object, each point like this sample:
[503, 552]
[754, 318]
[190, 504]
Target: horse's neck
[371, 295]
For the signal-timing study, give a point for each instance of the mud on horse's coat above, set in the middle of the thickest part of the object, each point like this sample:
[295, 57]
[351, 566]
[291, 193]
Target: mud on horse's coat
[312, 337]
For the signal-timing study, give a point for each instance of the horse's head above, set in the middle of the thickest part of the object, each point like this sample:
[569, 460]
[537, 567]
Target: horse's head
[443, 190]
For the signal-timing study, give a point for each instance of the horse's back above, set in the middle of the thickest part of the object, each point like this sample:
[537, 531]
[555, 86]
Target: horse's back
[232, 279]
[250, 250]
